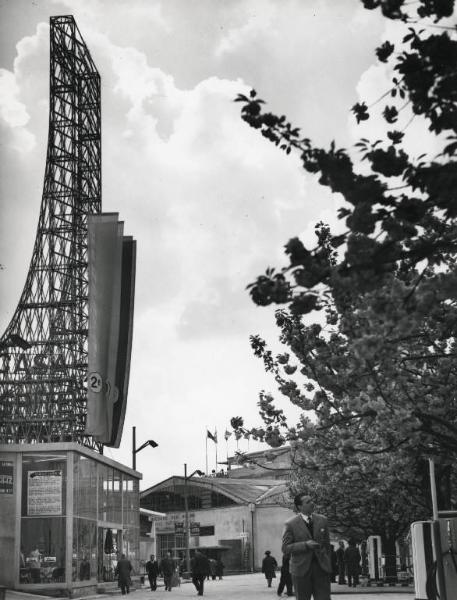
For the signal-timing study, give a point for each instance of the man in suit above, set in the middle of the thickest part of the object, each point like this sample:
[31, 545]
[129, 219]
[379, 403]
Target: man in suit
[167, 568]
[123, 570]
[152, 569]
[306, 538]
[200, 568]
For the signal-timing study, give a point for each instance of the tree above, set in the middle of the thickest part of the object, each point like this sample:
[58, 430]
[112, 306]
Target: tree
[369, 496]
[375, 374]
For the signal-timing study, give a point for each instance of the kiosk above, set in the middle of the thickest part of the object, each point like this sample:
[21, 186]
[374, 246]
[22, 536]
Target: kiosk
[67, 513]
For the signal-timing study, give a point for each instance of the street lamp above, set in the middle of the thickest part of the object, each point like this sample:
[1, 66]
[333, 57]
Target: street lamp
[186, 509]
[151, 443]
[251, 507]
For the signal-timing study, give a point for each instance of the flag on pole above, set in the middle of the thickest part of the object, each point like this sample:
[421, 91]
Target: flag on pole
[211, 436]
[227, 434]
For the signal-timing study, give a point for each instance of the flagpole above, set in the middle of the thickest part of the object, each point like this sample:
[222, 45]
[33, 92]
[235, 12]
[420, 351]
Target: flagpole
[206, 439]
[215, 432]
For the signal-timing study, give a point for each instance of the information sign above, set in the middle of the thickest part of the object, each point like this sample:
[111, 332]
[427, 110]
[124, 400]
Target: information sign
[44, 493]
[194, 528]
[6, 477]
[179, 527]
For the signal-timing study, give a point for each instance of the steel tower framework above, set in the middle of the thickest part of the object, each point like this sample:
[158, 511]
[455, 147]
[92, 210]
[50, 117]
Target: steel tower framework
[43, 352]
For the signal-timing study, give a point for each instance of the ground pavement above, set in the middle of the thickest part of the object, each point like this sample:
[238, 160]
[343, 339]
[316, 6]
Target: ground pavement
[241, 587]
[254, 587]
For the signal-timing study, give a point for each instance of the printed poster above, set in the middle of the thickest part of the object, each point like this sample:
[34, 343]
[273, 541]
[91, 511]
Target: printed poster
[6, 477]
[44, 493]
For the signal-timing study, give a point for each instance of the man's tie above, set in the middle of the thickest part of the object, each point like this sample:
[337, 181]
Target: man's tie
[309, 522]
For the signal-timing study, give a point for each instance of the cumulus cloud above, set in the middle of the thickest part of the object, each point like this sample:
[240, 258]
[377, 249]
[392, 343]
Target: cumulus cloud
[210, 202]
[259, 23]
[13, 112]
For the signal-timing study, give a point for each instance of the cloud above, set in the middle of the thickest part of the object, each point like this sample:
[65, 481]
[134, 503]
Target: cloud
[258, 23]
[13, 112]
[210, 202]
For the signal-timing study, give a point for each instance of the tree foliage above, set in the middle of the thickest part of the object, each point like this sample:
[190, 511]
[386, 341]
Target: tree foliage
[369, 496]
[375, 374]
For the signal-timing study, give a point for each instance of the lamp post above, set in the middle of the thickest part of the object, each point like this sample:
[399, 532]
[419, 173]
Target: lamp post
[186, 512]
[436, 532]
[151, 443]
[251, 507]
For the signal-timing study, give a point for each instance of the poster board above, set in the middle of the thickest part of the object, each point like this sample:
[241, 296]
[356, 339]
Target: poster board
[44, 493]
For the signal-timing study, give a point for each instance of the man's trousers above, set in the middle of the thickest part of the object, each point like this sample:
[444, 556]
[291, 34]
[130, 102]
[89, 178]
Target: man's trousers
[198, 581]
[316, 583]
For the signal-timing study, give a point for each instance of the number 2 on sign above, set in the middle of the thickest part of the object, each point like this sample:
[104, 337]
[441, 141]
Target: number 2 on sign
[95, 382]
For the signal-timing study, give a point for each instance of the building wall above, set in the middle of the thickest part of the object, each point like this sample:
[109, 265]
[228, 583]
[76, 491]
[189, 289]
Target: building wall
[269, 525]
[8, 487]
[228, 523]
[277, 463]
[233, 527]
[56, 503]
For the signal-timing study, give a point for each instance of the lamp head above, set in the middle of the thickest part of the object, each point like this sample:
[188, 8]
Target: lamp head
[152, 443]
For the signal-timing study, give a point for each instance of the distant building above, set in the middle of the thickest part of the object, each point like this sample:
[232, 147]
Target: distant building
[237, 518]
[273, 463]
[148, 538]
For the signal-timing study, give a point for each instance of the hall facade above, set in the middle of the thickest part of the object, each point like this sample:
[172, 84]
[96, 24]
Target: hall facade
[234, 518]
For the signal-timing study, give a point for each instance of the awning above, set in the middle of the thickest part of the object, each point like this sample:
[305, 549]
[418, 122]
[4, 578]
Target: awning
[214, 547]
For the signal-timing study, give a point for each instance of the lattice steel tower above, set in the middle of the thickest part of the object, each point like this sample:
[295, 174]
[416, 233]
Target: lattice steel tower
[43, 352]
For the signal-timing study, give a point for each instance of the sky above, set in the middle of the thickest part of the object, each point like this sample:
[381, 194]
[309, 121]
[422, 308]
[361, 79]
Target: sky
[210, 202]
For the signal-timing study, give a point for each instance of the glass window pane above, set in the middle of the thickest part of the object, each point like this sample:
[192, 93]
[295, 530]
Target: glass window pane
[85, 484]
[43, 550]
[44, 477]
[110, 493]
[84, 558]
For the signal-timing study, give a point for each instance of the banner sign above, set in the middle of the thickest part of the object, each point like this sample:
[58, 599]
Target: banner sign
[105, 263]
[179, 527]
[194, 528]
[125, 338]
[167, 524]
[44, 493]
[6, 477]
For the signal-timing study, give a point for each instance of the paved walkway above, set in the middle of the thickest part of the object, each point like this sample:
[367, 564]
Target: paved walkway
[243, 587]
[254, 586]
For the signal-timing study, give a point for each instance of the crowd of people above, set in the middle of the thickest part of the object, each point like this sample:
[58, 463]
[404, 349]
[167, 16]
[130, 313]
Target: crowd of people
[201, 567]
[345, 562]
[309, 562]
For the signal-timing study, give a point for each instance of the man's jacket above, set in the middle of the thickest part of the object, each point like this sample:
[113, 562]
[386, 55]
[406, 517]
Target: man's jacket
[295, 542]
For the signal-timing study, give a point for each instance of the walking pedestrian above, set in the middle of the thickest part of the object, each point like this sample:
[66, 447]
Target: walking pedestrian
[152, 569]
[269, 565]
[340, 563]
[123, 570]
[306, 538]
[212, 568]
[200, 570]
[219, 568]
[167, 568]
[334, 564]
[352, 559]
[285, 580]
[84, 569]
